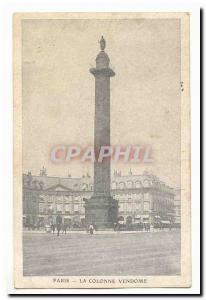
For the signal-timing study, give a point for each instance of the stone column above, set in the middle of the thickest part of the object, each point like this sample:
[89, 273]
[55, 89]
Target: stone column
[102, 209]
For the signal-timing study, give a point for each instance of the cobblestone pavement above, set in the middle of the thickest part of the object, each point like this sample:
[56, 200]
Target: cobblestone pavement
[145, 253]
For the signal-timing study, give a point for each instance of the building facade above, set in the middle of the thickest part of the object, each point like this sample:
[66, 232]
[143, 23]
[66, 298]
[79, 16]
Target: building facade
[141, 199]
[177, 206]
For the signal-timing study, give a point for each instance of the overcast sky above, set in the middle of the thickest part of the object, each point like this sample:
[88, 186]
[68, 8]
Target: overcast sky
[58, 91]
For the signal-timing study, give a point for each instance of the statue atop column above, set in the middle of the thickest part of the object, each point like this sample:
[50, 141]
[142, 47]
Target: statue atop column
[102, 43]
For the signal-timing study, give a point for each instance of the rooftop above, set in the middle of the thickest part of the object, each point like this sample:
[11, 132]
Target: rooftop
[118, 181]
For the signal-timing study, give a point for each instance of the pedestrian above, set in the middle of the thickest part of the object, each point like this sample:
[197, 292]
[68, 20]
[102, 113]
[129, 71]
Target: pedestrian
[58, 223]
[53, 227]
[116, 226]
[91, 229]
[64, 228]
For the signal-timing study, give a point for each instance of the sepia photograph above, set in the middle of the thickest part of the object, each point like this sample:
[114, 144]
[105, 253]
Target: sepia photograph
[101, 150]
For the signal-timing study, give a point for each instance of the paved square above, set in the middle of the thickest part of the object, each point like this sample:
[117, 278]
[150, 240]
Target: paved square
[76, 254]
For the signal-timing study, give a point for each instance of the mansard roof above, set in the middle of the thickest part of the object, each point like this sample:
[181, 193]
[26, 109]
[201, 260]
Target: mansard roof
[81, 183]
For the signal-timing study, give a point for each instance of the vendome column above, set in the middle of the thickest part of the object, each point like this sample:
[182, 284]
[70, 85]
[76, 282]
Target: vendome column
[101, 209]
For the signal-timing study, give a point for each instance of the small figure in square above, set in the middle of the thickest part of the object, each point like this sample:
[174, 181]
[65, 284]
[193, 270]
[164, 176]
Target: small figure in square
[64, 229]
[91, 229]
[58, 223]
[53, 227]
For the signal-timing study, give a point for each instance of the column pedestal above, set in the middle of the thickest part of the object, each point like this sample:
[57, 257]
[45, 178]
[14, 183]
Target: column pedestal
[101, 211]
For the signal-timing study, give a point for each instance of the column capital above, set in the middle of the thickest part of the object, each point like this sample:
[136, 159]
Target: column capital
[104, 72]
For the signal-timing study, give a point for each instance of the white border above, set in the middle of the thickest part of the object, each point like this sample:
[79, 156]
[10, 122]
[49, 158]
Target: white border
[7, 7]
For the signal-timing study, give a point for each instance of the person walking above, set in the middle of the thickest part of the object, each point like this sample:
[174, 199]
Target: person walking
[53, 227]
[64, 228]
[58, 223]
[91, 229]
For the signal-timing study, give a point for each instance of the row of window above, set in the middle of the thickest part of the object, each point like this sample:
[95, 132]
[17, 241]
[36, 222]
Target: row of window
[120, 185]
[128, 184]
[134, 206]
[80, 208]
[61, 208]
[78, 199]
[123, 206]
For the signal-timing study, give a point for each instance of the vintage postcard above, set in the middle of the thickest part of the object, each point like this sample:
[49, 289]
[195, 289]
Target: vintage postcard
[101, 150]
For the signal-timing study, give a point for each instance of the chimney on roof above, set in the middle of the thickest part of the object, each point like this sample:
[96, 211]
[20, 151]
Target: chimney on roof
[130, 171]
[43, 172]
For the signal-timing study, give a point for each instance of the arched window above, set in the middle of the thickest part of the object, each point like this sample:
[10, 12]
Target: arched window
[121, 185]
[129, 184]
[129, 220]
[138, 184]
[84, 187]
[146, 183]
